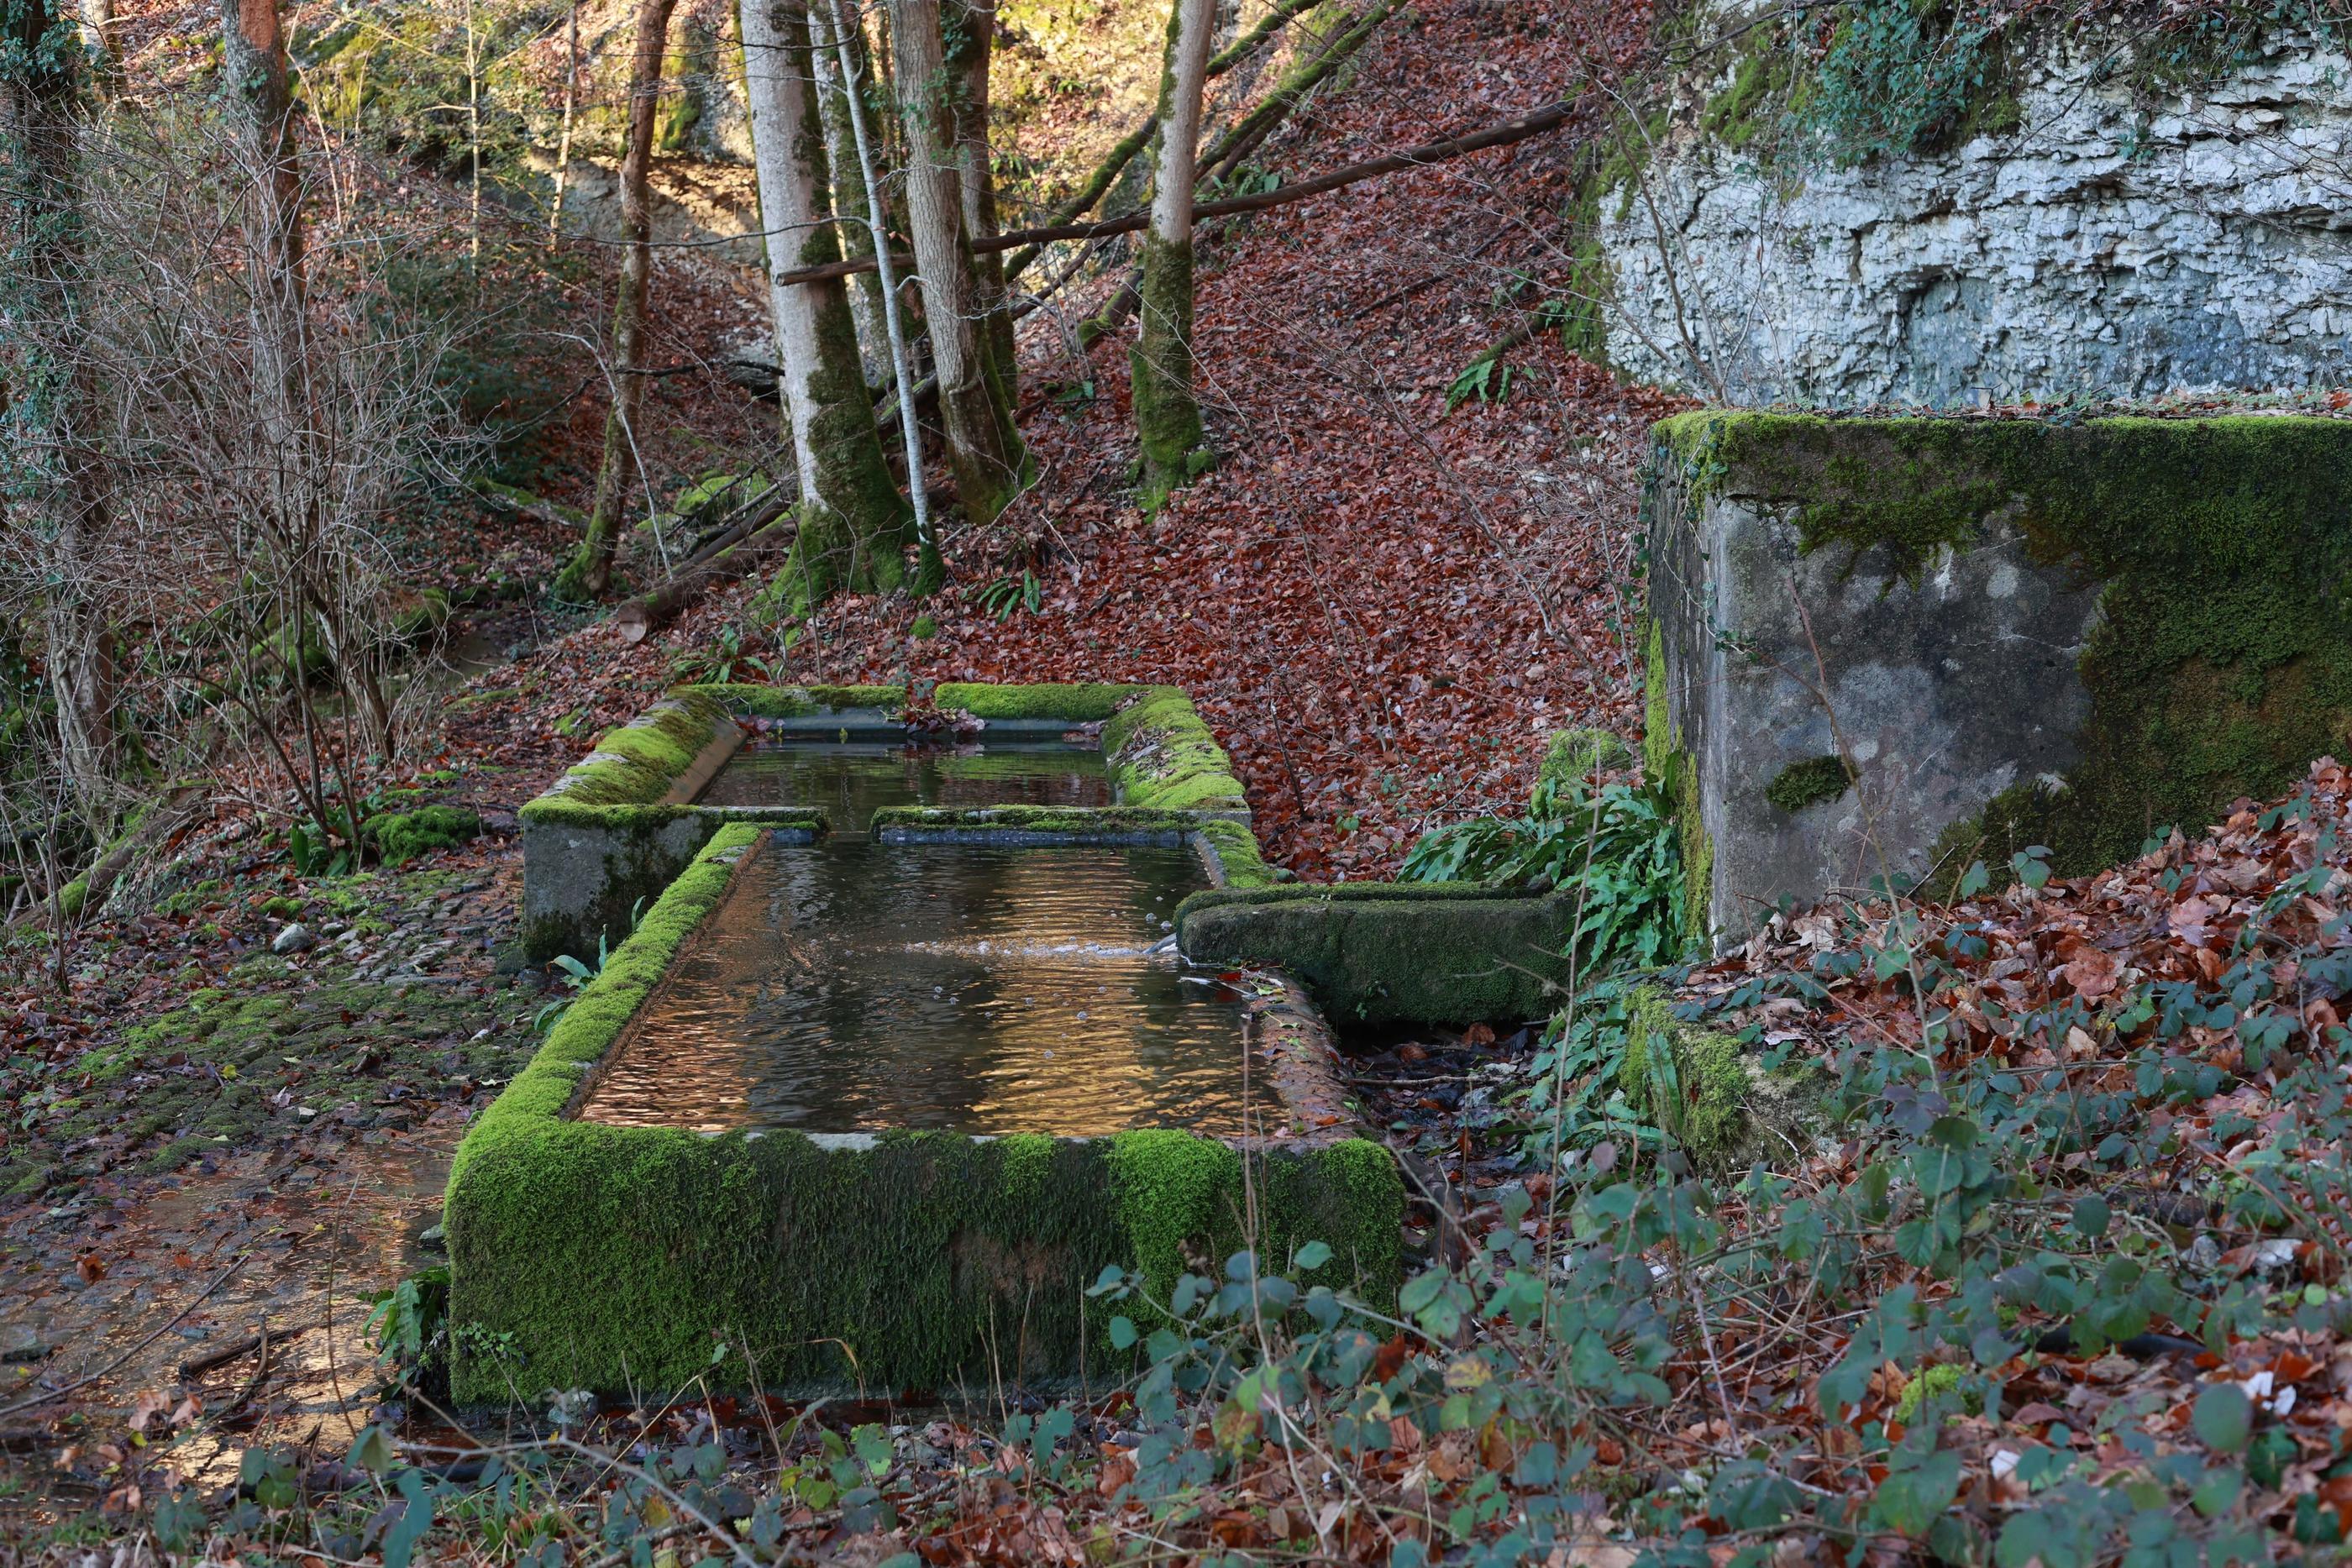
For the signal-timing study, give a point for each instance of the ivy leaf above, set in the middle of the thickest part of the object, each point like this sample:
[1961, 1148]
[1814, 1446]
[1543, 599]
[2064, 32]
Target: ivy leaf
[2224, 1418]
[1910, 1501]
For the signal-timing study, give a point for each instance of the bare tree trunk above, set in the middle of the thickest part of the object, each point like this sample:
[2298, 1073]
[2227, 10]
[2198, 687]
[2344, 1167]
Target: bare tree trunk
[853, 524]
[253, 64]
[841, 24]
[590, 572]
[984, 447]
[971, 34]
[849, 200]
[1167, 413]
[59, 471]
[98, 40]
[570, 111]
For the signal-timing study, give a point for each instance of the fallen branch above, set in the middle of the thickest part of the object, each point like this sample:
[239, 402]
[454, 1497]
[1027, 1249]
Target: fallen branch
[1106, 173]
[637, 619]
[1221, 158]
[1502, 135]
[197, 1365]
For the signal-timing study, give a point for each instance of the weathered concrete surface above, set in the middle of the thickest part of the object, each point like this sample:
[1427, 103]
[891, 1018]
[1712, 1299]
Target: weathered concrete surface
[2120, 240]
[1942, 692]
[581, 882]
[1430, 952]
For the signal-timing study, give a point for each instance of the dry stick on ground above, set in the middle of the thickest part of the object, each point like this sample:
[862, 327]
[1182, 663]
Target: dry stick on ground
[1518, 129]
[197, 1365]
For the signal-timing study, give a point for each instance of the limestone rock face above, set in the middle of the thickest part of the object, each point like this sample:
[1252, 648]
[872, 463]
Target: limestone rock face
[2118, 243]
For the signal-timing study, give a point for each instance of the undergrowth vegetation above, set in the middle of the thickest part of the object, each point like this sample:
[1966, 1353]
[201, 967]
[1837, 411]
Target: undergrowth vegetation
[2046, 1282]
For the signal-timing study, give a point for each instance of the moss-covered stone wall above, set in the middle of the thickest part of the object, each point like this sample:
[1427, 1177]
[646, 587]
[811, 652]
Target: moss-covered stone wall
[2005, 632]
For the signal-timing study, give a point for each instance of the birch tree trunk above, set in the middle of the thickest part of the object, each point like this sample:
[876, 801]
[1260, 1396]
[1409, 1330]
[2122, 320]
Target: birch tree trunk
[970, 33]
[99, 40]
[1167, 413]
[983, 448]
[850, 204]
[590, 572]
[853, 523]
[52, 459]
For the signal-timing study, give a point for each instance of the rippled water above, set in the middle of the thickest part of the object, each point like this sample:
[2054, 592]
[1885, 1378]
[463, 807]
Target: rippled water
[852, 987]
[852, 779]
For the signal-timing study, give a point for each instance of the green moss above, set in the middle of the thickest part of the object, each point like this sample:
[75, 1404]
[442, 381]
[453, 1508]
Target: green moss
[1664, 759]
[1701, 1088]
[798, 702]
[637, 764]
[1083, 702]
[2221, 661]
[1940, 1381]
[1759, 85]
[596, 1017]
[402, 836]
[1160, 367]
[232, 1068]
[1162, 753]
[925, 628]
[1380, 953]
[1237, 853]
[1809, 782]
[1574, 754]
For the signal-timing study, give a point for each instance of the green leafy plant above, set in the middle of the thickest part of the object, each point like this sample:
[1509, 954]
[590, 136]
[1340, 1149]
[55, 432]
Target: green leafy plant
[1006, 595]
[725, 661]
[1487, 378]
[410, 1326]
[1617, 845]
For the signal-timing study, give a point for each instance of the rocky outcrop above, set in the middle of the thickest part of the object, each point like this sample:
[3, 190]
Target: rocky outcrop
[2120, 238]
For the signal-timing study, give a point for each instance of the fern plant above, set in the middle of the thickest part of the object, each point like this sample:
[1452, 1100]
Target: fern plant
[1617, 845]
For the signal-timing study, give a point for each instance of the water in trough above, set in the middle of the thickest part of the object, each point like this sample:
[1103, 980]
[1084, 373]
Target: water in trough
[848, 986]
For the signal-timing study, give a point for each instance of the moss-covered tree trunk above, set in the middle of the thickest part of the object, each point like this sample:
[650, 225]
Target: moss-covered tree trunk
[853, 522]
[983, 448]
[1167, 413]
[53, 460]
[590, 572]
[970, 33]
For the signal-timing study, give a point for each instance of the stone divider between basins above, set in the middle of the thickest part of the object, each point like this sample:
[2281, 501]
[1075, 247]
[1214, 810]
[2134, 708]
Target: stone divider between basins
[650, 1259]
[612, 832]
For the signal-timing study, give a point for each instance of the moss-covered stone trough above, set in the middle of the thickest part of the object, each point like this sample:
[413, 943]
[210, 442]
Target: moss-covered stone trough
[609, 835]
[1880, 650]
[1380, 953]
[648, 1260]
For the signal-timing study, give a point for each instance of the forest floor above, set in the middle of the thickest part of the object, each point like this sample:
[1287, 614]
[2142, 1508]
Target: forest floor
[1382, 606]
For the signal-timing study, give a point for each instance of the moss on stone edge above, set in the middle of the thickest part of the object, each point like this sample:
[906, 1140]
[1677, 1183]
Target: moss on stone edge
[635, 764]
[749, 701]
[1079, 703]
[543, 1090]
[1708, 1093]
[1238, 857]
[2221, 661]
[1162, 753]
[1666, 761]
[1809, 782]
